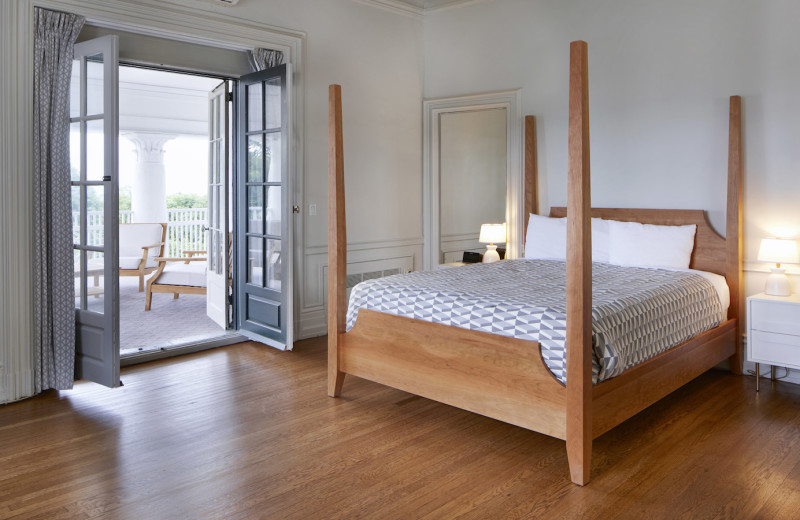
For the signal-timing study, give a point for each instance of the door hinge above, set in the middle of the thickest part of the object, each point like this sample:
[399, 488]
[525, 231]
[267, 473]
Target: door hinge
[229, 96]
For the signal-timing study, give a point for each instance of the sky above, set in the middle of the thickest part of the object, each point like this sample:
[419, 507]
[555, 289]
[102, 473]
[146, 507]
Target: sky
[185, 163]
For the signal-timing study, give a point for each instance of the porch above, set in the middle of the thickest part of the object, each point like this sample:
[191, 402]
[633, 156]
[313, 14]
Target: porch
[168, 323]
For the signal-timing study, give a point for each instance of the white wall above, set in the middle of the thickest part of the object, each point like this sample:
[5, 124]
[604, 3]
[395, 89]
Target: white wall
[660, 74]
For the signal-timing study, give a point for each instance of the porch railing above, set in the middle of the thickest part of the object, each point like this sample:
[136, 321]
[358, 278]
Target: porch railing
[184, 231]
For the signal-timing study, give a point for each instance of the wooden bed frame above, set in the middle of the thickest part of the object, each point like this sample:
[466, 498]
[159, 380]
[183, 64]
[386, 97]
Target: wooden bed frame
[506, 378]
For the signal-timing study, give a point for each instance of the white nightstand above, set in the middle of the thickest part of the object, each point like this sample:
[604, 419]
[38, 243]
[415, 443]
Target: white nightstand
[448, 265]
[773, 331]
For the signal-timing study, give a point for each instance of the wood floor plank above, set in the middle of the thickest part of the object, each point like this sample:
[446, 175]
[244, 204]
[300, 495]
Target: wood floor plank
[246, 431]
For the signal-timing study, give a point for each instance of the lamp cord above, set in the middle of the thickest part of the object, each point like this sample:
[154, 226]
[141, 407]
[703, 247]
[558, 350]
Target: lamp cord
[769, 374]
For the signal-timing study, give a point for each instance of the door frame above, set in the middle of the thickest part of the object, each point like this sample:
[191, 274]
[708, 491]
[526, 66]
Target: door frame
[228, 336]
[511, 100]
[188, 24]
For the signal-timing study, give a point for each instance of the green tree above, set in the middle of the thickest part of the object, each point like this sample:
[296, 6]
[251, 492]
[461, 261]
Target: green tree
[125, 198]
[94, 199]
[186, 201]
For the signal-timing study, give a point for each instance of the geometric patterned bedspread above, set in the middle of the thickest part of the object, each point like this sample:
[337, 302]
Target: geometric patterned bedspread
[637, 313]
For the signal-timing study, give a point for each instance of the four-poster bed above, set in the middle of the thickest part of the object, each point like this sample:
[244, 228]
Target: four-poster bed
[504, 377]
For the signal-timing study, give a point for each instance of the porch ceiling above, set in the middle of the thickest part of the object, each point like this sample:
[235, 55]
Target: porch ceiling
[160, 102]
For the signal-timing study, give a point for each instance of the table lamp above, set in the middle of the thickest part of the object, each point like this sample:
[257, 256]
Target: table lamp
[490, 235]
[780, 251]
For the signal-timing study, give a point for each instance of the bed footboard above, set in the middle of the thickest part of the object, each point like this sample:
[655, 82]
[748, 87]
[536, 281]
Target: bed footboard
[496, 376]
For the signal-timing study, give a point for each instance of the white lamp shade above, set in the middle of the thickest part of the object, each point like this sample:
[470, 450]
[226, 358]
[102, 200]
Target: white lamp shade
[778, 250]
[492, 234]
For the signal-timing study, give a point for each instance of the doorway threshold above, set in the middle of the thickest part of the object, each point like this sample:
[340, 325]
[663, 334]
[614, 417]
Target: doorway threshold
[144, 354]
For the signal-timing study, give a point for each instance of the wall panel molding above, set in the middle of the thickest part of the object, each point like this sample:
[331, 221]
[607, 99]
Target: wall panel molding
[364, 260]
[16, 234]
[359, 246]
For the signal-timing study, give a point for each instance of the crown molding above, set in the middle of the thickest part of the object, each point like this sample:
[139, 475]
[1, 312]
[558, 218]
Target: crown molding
[451, 4]
[405, 8]
[184, 21]
[395, 6]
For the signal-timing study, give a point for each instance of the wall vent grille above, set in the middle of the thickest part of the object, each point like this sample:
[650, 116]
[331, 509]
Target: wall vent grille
[355, 279]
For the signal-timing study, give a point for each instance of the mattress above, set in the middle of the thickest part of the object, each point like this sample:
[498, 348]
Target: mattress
[637, 313]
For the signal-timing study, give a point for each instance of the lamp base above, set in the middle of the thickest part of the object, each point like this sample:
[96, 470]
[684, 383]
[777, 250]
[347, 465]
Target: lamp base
[778, 283]
[491, 254]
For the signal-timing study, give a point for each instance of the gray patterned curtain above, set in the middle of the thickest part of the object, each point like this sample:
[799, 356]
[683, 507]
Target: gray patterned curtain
[262, 59]
[53, 277]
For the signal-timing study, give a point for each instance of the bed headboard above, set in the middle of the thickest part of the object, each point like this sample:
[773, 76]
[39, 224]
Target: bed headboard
[709, 252]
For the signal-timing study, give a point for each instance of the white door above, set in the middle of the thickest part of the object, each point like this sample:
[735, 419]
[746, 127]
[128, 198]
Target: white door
[217, 302]
[93, 162]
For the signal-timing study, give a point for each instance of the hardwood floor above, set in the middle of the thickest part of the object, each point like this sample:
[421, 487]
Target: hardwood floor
[248, 432]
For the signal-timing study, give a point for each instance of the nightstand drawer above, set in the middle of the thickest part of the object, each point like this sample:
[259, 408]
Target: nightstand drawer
[774, 349]
[774, 317]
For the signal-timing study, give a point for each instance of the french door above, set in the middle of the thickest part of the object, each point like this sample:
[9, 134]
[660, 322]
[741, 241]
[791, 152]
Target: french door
[264, 246]
[217, 242]
[93, 164]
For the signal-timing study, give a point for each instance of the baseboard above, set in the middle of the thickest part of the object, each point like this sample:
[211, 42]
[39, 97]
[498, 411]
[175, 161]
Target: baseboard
[16, 386]
[311, 324]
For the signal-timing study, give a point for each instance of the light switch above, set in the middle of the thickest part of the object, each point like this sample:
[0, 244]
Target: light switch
[312, 210]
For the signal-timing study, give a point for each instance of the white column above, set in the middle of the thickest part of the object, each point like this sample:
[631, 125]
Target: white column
[149, 197]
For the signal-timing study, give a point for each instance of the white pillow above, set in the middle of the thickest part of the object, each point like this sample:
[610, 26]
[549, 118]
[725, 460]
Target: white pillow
[648, 245]
[547, 239]
[601, 243]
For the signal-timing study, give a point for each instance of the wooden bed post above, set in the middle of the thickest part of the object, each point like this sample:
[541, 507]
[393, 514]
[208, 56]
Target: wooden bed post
[579, 272]
[337, 241]
[531, 177]
[733, 232]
